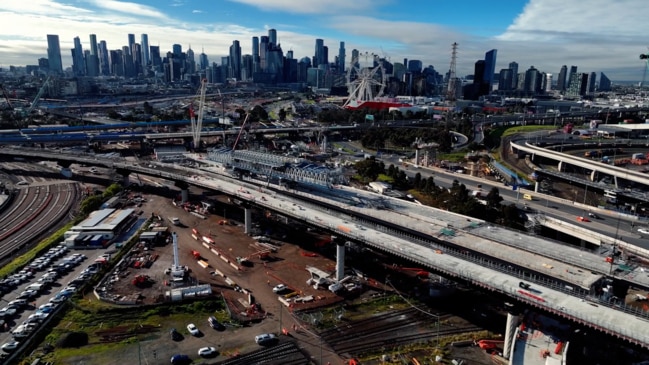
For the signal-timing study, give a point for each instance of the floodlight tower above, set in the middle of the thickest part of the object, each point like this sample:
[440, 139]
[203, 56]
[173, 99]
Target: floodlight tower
[451, 91]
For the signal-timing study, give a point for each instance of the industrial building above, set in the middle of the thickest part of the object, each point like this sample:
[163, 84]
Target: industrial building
[101, 227]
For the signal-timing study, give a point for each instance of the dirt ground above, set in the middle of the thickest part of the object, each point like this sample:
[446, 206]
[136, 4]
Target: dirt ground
[285, 266]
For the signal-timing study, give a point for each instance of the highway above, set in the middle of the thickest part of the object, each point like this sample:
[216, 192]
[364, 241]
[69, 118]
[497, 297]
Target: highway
[395, 239]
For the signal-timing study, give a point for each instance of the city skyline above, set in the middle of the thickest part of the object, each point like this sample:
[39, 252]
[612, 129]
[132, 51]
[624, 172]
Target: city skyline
[545, 34]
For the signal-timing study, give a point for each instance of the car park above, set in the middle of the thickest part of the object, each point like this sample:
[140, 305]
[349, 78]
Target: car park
[10, 346]
[47, 307]
[17, 303]
[7, 312]
[193, 330]
[27, 294]
[265, 338]
[58, 298]
[207, 351]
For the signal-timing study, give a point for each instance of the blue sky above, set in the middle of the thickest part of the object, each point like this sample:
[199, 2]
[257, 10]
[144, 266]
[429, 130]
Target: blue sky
[596, 35]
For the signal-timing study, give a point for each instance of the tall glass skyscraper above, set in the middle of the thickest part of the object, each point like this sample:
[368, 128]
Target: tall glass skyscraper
[54, 54]
[318, 58]
[514, 67]
[255, 55]
[104, 65]
[235, 61]
[489, 69]
[146, 56]
[92, 62]
[272, 37]
[561, 80]
[341, 57]
[78, 63]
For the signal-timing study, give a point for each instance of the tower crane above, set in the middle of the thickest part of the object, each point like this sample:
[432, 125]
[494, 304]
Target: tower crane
[38, 97]
[4, 92]
[197, 122]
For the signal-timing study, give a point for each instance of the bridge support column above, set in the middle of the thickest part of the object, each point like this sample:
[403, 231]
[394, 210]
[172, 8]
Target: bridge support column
[247, 213]
[536, 187]
[560, 166]
[592, 175]
[340, 259]
[513, 321]
[417, 157]
[615, 182]
[125, 174]
[125, 181]
[184, 195]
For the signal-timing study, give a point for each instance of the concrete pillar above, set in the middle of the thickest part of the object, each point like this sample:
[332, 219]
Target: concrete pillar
[615, 182]
[560, 166]
[248, 220]
[592, 175]
[417, 157]
[184, 195]
[125, 181]
[340, 261]
[513, 321]
[536, 187]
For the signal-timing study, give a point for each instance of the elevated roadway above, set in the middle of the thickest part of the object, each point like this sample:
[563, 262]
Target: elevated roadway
[465, 248]
[617, 172]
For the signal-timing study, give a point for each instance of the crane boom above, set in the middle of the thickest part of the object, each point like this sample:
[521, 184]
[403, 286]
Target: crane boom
[38, 96]
[4, 92]
[197, 123]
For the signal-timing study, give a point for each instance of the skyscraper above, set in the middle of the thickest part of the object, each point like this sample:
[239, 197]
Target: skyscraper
[490, 69]
[514, 67]
[92, 63]
[604, 82]
[203, 62]
[54, 54]
[561, 80]
[234, 62]
[505, 79]
[104, 64]
[255, 54]
[263, 54]
[573, 70]
[341, 57]
[272, 37]
[131, 45]
[318, 58]
[592, 80]
[146, 56]
[78, 63]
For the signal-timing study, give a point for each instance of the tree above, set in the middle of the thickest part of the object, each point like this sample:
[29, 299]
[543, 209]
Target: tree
[281, 114]
[148, 109]
[369, 169]
[493, 198]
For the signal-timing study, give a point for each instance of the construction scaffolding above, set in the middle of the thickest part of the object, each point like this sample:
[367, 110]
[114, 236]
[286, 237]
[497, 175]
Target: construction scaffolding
[275, 167]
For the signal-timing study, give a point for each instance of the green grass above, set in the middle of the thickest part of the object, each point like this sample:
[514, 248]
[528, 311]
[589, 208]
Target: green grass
[385, 178]
[453, 157]
[527, 129]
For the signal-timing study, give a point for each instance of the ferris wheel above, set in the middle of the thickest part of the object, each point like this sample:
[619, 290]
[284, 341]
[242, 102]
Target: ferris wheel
[367, 81]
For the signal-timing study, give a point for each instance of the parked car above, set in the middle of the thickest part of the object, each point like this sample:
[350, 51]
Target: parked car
[10, 346]
[279, 288]
[214, 323]
[180, 359]
[265, 338]
[193, 329]
[207, 351]
[175, 335]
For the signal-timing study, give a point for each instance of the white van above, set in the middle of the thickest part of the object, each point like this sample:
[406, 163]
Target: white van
[36, 287]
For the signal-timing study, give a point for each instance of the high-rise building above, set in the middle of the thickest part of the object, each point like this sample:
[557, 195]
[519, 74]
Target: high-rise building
[146, 55]
[234, 63]
[78, 63]
[318, 58]
[547, 87]
[131, 45]
[505, 79]
[573, 70]
[272, 37]
[514, 67]
[255, 54]
[92, 63]
[263, 54]
[561, 80]
[190, 63]
[592, 80]
[490, 69]
[203, 61]
[177, 50]
[341, 57]
[127, 61]
[104, 63]
[156, 60]
[604, 82]
[533, 81]
[325, 57]
[54, 54]
[578, 84]
[116, 63]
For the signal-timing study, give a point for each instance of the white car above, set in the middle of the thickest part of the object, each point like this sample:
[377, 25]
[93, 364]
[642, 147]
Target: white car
[10, 346]
[643, 232]
[206, 351]
[264, 338]
[193, 329]
[279, 288]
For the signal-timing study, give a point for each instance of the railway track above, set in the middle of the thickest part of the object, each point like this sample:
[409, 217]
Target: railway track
[37, 209]
[389, 330]
[286, 353]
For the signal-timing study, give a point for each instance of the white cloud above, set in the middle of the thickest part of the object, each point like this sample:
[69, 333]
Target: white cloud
[197, 11]
[128, 8]
[314, 6]
[177, 3]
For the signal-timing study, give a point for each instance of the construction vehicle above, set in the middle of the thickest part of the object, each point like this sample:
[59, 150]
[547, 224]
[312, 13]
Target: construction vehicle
[489, 344]
[142, 281]
[196, 254]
